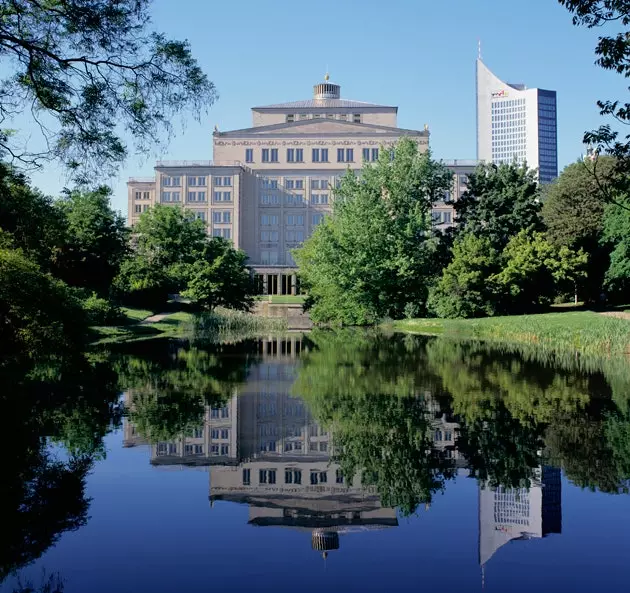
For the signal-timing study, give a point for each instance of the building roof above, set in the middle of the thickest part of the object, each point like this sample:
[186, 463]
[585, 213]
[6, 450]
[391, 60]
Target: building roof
[324, 104]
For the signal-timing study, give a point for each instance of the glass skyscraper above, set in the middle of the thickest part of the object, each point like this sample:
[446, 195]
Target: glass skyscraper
[515, 123]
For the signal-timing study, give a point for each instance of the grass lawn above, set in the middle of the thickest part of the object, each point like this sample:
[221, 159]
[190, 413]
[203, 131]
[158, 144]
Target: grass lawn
[135, 315]
[175, 324]
[283, 299]
[581, 331]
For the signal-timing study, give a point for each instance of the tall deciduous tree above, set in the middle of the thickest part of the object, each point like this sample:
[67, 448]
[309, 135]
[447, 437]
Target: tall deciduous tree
[372, 257]
[617, 236]
[35, 225]
[573, 213]
[87, 69]
[613, 53]
[533, 271]
[501, 200]
[220, 278]
[464, 289]
[96, 241]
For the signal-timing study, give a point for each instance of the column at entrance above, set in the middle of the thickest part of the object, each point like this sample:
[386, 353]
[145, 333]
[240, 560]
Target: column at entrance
[293, 284]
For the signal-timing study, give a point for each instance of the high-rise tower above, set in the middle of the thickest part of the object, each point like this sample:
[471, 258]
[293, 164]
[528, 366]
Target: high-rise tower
[516, 123]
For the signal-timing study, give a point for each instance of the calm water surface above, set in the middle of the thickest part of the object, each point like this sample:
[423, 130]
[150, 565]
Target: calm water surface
[335, 461]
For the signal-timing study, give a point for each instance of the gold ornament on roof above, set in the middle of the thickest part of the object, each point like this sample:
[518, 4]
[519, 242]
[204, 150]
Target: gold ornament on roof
[327, 77]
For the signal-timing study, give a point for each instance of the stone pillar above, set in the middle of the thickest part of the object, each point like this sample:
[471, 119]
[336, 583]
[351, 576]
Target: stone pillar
[293, 284]
[279, 287]
[264, 283]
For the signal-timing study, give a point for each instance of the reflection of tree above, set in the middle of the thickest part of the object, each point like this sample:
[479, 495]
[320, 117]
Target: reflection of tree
[593, 450]
[367, 389]
[43, 491]
[170, 386]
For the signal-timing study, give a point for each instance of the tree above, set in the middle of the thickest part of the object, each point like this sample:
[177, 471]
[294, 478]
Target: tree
[464, 290]
[372, 257]
[573, 213]
[39, 316]
[96, 241]
[220, 278]
[613, 53]
[533, 271]
[501, 200]
[35, 225]
[86, 70]
[167, 236]
[617, 236]
[168, 240]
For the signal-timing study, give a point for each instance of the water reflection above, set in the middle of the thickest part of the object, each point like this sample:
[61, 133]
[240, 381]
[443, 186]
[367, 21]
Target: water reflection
[333, 433]
[374, 432]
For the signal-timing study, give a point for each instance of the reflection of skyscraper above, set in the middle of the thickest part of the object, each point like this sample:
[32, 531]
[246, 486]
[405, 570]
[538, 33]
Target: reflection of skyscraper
[507, 514]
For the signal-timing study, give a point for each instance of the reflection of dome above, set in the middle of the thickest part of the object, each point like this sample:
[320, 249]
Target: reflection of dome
[324, 541]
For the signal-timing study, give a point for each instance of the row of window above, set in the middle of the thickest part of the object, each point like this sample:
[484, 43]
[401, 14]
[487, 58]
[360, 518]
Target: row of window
[220, 433]
[293, 200]
[290, 219]
[138, 208]
[171, 449]
[198, 196]
[142, 195]
[194, 181]
[355, 117]
[291, 476]
[290, 236]
[318, 155]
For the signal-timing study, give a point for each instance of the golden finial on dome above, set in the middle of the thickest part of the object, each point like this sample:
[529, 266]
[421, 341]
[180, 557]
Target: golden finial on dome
[327, 77]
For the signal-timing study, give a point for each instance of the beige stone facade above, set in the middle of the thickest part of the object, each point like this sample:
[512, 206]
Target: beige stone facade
[271, 184]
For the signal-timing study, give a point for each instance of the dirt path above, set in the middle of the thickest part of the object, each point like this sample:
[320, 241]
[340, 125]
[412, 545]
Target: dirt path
[618, 314]
[155, 318]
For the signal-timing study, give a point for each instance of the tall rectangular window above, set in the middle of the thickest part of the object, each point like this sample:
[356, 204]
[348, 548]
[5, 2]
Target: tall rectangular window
[138, 195]
[247, 476]
[375, 154]
[356, 118]
[175, 196]
[265, 155]
[249, 155]
[145, 195]
[192, 181]
[316, 155]
[324, 155]
[274, 155]
[299, 155]
[349, 155]
[227, 181]
[317, 218]
[138, 208]
[290, 155]
[341, 155]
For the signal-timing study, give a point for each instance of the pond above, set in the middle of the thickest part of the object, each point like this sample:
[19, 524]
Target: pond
[348, 460]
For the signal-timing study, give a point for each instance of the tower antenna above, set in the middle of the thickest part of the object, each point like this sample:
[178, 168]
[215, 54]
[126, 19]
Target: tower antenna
[479, 49]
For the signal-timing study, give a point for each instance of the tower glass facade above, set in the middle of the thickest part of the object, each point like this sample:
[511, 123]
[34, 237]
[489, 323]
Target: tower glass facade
[516, 124]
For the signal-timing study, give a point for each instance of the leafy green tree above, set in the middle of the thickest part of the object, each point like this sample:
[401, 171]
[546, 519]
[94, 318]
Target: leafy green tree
[573, 213]
[167, 241]
[96, 241]
[617, 235]
[220, 277]
[533, 271]
[501, 200]
[35, 225]
[464, 290]
[88, 69]
[39, 316]
[166, 236]
[372, 257]
[613, 53]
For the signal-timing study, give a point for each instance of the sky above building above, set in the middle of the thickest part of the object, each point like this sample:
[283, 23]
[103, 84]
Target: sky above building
[416, 54]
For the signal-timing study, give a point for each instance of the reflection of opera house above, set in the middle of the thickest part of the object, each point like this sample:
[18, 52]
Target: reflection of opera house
[264, 449]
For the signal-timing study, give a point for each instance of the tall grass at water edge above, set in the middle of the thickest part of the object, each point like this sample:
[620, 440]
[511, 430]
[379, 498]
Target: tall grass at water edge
[226, 325]
[583, 332]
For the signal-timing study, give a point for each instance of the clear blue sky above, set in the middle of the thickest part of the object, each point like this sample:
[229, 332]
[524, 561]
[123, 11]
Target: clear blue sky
[416, 54]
